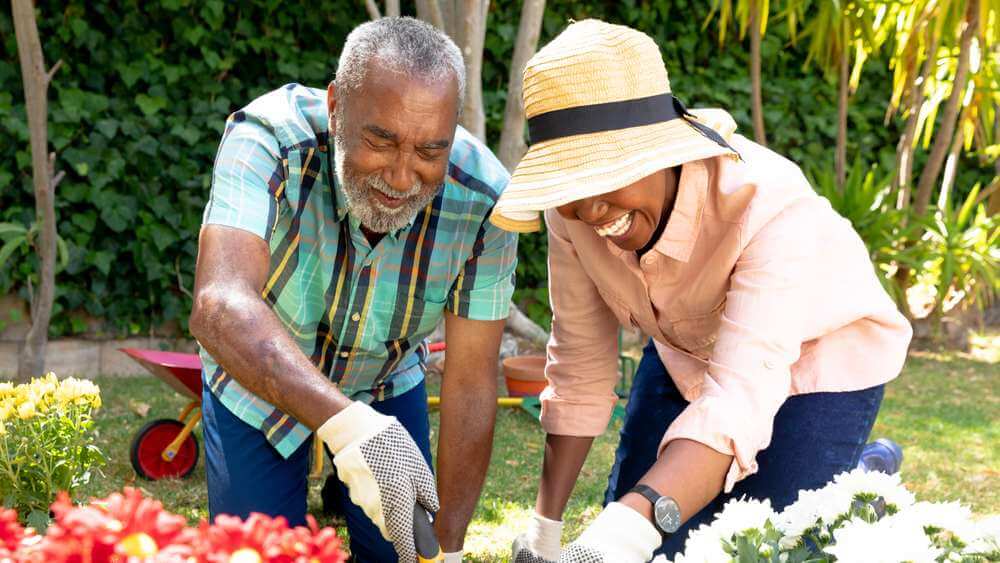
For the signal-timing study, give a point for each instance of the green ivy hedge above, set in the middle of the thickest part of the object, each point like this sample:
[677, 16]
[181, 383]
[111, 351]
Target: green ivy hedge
[137, 110]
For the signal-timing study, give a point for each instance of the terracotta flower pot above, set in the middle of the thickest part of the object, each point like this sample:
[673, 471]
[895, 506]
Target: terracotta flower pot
[525, 375]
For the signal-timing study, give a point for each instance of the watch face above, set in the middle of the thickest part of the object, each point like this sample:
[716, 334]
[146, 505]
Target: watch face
[668, 515]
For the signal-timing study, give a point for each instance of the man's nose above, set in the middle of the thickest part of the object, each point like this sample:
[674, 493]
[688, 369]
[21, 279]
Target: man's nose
[399, 175]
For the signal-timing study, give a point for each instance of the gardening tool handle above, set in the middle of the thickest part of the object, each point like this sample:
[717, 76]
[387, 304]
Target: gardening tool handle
[428, 550]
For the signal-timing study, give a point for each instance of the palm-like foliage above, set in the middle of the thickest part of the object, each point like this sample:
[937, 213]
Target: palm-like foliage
[865, 201]
[963, 247]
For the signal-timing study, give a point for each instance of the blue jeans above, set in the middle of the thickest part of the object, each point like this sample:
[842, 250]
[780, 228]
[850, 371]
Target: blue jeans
[816, 436]
[246, 474]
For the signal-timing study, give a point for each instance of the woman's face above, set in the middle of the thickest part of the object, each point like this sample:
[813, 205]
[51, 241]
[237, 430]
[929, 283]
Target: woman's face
[627, 217]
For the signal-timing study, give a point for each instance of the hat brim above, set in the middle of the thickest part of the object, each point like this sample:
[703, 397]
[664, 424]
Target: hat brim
[559, 171]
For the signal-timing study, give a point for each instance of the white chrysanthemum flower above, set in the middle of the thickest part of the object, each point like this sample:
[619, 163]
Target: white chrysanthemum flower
[705, 543]
[951, 516]
[985, 536]
[835, 499]
[889, 540]
[880, 484]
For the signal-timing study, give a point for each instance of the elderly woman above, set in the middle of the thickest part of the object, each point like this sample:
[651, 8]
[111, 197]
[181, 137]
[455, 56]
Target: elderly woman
[771, 337]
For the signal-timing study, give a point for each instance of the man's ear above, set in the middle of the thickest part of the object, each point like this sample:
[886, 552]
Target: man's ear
[331, 104]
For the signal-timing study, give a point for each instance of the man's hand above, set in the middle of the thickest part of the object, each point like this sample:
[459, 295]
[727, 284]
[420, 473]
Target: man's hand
[618, 535]
[383, 469]
[540, 543]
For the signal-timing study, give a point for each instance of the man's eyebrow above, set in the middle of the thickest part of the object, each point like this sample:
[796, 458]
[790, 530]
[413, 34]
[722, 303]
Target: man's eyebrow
[379, 132]
[434, 145]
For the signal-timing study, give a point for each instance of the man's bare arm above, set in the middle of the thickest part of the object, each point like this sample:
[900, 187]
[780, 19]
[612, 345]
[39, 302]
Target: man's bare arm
[241, 332]
[468, 413]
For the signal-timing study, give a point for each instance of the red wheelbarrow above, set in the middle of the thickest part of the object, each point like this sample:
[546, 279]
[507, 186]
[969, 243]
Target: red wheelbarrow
[166, 447]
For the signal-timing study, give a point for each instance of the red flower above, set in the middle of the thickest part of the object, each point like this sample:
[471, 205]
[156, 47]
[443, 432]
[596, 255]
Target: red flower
[266, 539]
[126, 528]
[114, 529]
[11, 533]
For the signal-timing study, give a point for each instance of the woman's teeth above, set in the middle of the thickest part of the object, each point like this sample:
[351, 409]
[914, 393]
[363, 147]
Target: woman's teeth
[616, 228]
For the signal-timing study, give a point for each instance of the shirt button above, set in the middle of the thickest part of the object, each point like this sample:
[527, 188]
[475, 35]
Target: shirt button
[356, 317]
[648, 260]
[768, 364]
[344, 354]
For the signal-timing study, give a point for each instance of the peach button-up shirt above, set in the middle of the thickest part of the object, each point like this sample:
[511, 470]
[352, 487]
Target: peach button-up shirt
[757, 290]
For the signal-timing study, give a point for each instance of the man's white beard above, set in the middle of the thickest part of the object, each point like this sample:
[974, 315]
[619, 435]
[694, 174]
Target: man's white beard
[373, 215]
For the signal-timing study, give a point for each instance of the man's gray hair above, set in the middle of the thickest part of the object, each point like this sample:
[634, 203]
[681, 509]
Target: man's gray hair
[406, 45]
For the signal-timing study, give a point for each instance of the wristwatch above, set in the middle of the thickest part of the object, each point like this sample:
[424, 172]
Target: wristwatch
[666, 513]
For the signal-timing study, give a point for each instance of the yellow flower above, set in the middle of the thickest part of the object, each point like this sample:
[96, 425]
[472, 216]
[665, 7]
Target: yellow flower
[77, 392]
[139, 545]
[6, 410]
[26, 410]
[245, 555]
[6, 389]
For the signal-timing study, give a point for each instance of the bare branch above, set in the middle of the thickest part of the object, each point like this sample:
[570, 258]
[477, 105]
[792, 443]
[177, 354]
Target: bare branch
[57, 178]
[372, 7]
[430, 11]
[512, 145]
[52, 71]
[473, 37]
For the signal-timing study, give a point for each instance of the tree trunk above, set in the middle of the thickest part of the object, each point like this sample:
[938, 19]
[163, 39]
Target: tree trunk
[908, 141]
[951, 164]
[430, 11]
[392, 8]
[36, 83]
[512, 145]
[372, 8]
[451, 13]
[519, 324]
[993, 206]
[943, 138]
[840, 156]
[756, 105]
[473, 36]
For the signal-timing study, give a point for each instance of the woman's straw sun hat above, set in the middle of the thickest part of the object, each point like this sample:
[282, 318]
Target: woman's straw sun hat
[600, 117]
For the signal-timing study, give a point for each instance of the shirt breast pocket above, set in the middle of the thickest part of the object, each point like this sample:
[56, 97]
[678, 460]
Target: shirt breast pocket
[697, 333]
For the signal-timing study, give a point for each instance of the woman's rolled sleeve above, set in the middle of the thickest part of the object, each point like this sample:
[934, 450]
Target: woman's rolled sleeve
[582, 366]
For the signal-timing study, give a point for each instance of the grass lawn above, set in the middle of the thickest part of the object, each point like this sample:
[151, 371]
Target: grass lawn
[944, 410]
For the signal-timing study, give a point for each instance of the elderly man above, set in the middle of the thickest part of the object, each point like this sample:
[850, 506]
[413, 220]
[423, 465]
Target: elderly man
[340, 229]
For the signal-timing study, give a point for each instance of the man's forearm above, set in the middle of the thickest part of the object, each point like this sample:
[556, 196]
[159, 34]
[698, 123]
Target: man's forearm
[244, 335]
[468, 415]
[564, 456]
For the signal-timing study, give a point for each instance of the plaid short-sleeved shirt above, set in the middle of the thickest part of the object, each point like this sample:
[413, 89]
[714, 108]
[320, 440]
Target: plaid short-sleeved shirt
[360, 313]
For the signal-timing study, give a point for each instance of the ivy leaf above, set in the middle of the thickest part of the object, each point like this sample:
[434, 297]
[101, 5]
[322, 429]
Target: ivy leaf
[162, 236]
[150, 105]
[38, 520]
[107, 127]
[101, 260]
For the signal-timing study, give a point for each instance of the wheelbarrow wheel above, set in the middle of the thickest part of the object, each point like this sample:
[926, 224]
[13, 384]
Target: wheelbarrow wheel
[147, 451]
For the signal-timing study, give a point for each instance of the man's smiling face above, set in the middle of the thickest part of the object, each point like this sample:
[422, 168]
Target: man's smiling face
[392, 139]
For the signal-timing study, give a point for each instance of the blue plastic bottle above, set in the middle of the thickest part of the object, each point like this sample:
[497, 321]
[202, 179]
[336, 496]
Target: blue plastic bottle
[881, 455]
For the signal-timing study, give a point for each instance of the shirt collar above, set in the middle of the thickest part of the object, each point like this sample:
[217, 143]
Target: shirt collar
[681, 232]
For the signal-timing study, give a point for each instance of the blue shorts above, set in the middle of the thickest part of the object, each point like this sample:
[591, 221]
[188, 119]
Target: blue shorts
[816, 436]
[246, 474]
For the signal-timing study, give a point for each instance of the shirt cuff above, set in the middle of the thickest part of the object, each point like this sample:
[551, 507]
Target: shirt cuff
[727, 428]
[584, 416]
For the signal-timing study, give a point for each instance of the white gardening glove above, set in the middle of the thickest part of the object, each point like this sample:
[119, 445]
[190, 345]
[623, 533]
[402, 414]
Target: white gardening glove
[540, 543]
[383, 469]
[618, 535]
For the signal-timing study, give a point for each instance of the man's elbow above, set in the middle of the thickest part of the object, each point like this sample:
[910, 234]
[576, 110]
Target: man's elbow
[209, 312]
